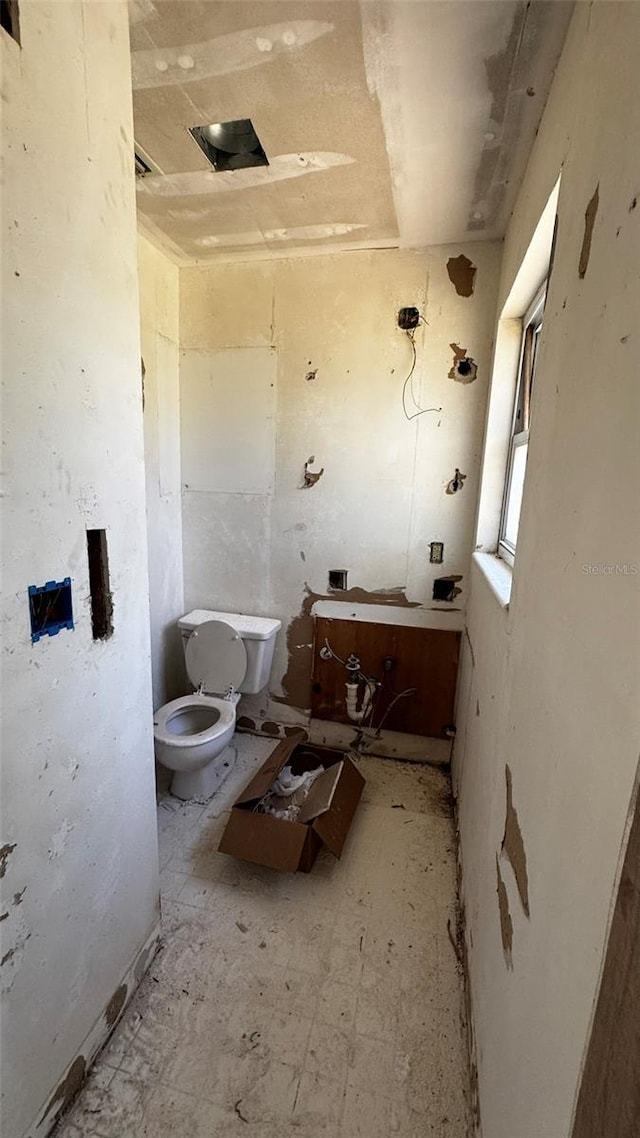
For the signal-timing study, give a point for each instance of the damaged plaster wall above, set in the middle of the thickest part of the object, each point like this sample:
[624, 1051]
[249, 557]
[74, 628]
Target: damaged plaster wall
[549, 685]
[78, 845]
[299, 359]
[159, 311]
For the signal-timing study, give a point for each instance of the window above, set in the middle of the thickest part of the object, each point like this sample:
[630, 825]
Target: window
[519, 442]
[10, 18]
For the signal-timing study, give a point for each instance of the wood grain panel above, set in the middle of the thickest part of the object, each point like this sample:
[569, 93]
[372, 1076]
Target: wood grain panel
[609, 1097]
[425, 659]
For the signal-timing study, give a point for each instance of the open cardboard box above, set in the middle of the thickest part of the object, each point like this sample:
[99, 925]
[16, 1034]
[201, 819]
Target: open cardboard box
[291, 846]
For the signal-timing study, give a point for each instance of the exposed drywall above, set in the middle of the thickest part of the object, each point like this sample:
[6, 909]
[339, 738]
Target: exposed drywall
[78, 842]
[556, 673]
[253, 540]
[159, 311]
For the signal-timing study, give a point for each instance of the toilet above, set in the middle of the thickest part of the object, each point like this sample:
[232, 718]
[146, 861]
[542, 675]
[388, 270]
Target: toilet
[226, 655]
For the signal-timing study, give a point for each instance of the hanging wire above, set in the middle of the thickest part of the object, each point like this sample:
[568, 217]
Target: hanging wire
[408, 383]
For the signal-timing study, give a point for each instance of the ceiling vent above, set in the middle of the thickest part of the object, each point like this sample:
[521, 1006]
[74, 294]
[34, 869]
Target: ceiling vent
[230, 145]
[143, 163]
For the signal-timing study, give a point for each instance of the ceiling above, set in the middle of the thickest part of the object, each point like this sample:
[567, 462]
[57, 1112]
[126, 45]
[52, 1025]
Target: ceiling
[399, 123]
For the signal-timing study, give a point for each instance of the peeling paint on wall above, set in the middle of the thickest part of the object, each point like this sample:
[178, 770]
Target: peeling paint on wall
[115, 1005]
[506, 924]
[513, 845]
[5, 854]
[589, 221]
[462, 273]
[464, 368]
[67, 1089]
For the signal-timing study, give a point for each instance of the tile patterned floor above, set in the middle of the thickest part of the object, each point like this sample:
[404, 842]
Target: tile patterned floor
[321, 1006]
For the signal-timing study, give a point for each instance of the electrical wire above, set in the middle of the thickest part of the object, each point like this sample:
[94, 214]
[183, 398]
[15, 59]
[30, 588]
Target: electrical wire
[401, 695]
[408, 383]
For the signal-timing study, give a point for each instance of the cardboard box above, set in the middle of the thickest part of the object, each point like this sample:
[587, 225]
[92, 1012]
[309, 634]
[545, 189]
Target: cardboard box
[291, 846]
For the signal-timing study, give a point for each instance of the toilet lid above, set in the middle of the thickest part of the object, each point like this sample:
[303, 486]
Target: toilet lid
[216, 657]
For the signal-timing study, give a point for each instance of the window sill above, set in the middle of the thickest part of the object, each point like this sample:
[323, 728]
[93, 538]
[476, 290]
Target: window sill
[497, 574]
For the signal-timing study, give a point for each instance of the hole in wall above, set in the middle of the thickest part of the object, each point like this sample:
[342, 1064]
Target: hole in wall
[446, 588]
[338, 578]
[101, 599]
[10, 18]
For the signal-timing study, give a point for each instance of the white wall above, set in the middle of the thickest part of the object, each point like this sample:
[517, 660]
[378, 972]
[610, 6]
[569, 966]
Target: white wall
[250, 335]
[159, 312]
[78, 820]
[551, 686]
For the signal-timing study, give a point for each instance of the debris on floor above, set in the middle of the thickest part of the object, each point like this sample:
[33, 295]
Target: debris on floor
[329, 1004]
[302, 798]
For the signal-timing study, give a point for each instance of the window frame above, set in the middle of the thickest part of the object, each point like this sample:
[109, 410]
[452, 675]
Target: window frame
[531, 322]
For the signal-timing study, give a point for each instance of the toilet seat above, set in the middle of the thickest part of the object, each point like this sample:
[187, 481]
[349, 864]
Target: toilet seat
[164, 715]
[215, 657]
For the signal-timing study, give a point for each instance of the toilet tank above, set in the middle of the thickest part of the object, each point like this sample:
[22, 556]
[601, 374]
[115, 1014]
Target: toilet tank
[258, 635]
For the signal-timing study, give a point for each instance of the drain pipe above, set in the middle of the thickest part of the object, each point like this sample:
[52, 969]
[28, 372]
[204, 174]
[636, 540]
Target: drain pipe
[352, 688]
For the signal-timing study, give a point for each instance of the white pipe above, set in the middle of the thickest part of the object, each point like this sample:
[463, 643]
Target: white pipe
[352, 701]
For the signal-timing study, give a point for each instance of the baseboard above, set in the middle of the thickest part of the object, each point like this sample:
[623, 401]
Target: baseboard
[73, 1079]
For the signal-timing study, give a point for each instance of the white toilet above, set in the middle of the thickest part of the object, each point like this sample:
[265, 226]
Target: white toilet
[226, 654]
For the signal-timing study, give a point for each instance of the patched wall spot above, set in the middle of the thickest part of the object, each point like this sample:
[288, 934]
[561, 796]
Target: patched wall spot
[464, 368]
[462, 273]
[589, 222]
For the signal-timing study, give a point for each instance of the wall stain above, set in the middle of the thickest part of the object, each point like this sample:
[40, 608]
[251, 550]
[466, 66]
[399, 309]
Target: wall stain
[506, 924]
[464, 368]
[296, 682]
[17, 897]
[589, 222]
[513, 845]
[462, 274]
[115, 1005]
[67, 1089]
[478, 708]
[5, 853]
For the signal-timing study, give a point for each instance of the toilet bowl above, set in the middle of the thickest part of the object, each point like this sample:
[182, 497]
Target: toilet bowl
[191, 734]
[225, 654]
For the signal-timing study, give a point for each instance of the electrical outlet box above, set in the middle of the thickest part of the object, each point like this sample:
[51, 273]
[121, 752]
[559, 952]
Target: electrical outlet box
[50, 608]
[408, 318]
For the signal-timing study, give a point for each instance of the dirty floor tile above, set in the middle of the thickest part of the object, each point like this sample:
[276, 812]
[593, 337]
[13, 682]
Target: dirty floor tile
[320, 1006]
